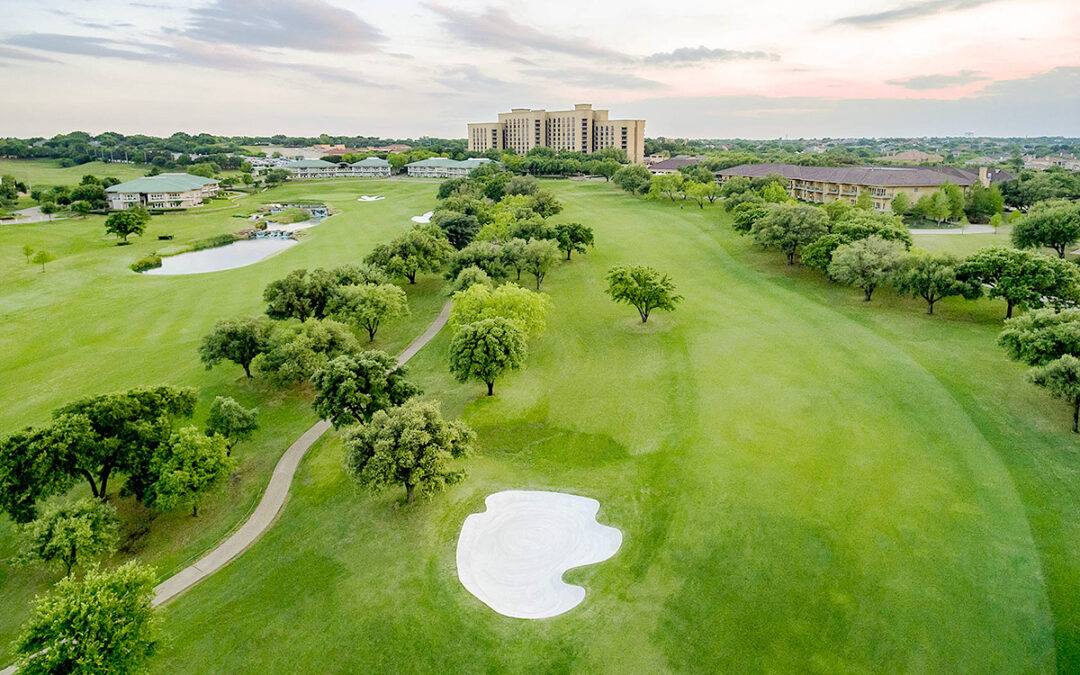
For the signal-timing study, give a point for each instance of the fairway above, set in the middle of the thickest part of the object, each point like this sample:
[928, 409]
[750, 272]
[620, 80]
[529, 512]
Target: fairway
[41, 172]
[803, 482]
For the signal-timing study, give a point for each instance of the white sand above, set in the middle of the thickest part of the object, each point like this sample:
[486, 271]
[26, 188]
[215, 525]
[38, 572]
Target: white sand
[369, 198]
[426, 218]
[513, 555]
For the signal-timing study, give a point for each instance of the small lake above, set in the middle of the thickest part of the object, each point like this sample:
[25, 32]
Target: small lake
[231, 256]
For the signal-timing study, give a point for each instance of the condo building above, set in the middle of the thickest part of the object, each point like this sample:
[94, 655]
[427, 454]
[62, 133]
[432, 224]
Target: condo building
[443, 167]
[820, 184]
[579, 130]
[164, 191]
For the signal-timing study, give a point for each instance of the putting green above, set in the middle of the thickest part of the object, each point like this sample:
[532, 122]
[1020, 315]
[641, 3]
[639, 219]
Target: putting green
[802, 482]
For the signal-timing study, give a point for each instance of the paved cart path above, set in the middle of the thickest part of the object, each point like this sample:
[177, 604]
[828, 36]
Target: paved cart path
[272, 500]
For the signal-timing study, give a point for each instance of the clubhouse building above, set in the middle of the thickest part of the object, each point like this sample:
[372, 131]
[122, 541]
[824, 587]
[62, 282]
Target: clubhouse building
[164, 191]
[441, 167]
[820, 184]
[579, 130]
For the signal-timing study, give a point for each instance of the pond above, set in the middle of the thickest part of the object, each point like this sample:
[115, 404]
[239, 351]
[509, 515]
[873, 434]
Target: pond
[239, 254]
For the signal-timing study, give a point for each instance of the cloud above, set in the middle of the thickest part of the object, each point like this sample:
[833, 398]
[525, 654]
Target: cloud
[684, 56]
[311, 25]
[468, 78]
[19, 55]
[928, 82]
[595, 79]
[81, 45]
[494, 28]
[911, 10]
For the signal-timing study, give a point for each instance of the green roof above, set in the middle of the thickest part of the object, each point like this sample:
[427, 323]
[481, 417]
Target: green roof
[309, 164]
[371, 161]
[165, 182]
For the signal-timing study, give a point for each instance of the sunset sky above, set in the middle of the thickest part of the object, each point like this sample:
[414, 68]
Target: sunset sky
[761, 69]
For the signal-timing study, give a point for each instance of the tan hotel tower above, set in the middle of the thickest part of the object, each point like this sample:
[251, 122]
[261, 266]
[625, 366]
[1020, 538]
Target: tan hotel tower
[580, 130]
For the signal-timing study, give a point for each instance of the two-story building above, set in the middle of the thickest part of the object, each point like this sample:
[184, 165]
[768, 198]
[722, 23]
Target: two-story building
[164, 191]
[443, 167]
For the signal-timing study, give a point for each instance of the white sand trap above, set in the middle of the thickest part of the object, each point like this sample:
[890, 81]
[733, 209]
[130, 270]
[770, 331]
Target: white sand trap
[369, 198]
[426, 218]
[513, 556]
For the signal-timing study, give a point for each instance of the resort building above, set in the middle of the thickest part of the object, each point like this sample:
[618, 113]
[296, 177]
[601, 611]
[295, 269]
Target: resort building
[442, 167]
[579, 130]
[314, 168]
[668, 166]
[164, 191]
[371, 167]
[820, 184]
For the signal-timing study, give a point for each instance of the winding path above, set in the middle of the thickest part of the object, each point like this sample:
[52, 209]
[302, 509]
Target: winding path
[273, 498]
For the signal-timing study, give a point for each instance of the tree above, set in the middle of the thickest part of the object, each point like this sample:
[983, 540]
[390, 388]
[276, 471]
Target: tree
[70, 534]
[996, 221]
[527, 309]
[369, 305]
[513, 255]
[1041, 336]
[30, 471]
[1022, 278]
[865, 263]
[643, 287]
[606, 168]
[296, 351]
[539, 256]
[901, 204]
[301, 294]
[408, 445]
[238, 340]
[42, 258]
[573, 237]
[417, 251]
[864, 201]
[819, 254]
[102, 623]
[459, 227]
[863, 224]
[1061, 377]
[124, 224]
[81, 207]
[745, 214]
[666, 185]
[545, 203]
[189, 466]
[486, 349]
[634, 179]
[789, 227]
[231, 421]
[954, 199]
[351, 388]
[49, 208]
[774, 193]
[486, 255]
[469, 277]
[930, 277]
[1054, 224]
[935, 207]
[28, 251]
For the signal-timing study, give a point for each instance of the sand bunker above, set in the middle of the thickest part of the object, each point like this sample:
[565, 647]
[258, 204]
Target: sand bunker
[512, 556]
[369, 198]
[426, 218]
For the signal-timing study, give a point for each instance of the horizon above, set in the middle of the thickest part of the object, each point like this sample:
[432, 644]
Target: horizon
[779, 71]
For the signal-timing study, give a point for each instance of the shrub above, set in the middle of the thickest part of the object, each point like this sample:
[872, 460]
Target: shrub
[213, 242]
[148, 262]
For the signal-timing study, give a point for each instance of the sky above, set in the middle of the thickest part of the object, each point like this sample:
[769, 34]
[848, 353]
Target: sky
[405, 68]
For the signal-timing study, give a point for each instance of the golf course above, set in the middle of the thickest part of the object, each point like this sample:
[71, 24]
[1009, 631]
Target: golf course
[803, 481]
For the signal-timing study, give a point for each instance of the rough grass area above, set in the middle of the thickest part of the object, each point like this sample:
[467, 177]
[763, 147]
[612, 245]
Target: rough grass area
[42, 172]
[804, 481]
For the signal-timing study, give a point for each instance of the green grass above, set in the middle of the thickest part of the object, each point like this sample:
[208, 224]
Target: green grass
[89, 325]
[804, 482]
[40, 172]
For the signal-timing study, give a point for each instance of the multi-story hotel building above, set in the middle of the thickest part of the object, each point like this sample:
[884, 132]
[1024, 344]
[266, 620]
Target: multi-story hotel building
[820, 184]
[579, 130]
[164, 191]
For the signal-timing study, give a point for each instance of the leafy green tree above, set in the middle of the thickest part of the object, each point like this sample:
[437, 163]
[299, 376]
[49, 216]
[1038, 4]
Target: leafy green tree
[634, 179]
[42, 258]
[606, 168]
[983, 203]
[301, 294]
[1061, 377]
[643, 287]
[838, 209]
[486, 255]
[449, 186]
[996, 221]
[69, 534]
[864, 201]
[231, 421]
[513, 255]
[930, 277]
[789, 227]
[30, 470]
[124, 224]
[540, 255]
[408, 445]
[460, 228]
[49, 208]
[350, 275]
[296, 351]
[1054, 224]
[369, 305]
[238, 340]
[188, 466]
[935, 207]
[527, 309]
[351, 388]
[573, 237]
[862, 224]
[418, 251]
[81, 207]
[1040, 336]
[1022, 278]
[865, 263]
[28, 251]
[954, 198]
[901, 204]
[486, 349]
[469, 277]
[545, 204]
[102, 623]
[666, 185]
[819, 254]
[745, 214]
[774, 193]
